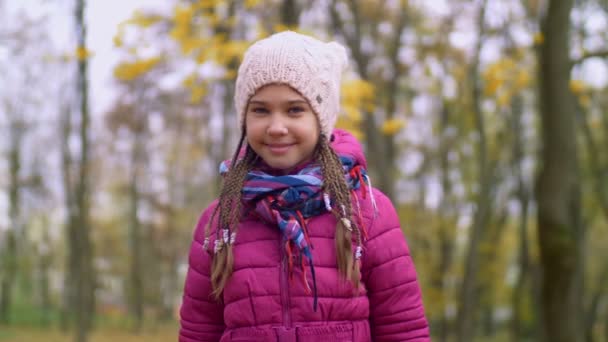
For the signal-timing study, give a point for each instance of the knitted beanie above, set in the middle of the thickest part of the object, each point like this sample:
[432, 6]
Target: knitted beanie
[310, 66]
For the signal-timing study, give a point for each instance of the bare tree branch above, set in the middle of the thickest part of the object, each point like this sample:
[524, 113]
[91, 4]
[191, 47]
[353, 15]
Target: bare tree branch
[601, 54]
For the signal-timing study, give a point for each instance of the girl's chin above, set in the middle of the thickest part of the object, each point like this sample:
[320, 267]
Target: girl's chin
[283, 167]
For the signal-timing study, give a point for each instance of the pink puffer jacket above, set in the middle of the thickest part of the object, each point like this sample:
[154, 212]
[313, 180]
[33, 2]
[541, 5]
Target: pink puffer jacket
[261, 303]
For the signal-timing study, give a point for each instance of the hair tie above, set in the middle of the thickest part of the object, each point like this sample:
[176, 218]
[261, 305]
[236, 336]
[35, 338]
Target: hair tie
[327, 201]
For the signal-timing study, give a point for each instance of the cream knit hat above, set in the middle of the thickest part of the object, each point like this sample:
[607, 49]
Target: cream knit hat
[310, 66]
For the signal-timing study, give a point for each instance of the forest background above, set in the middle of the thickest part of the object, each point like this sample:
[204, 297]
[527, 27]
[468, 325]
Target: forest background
[485, 121]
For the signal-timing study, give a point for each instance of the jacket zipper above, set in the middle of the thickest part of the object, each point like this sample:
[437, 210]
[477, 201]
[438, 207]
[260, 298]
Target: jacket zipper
[285, 304]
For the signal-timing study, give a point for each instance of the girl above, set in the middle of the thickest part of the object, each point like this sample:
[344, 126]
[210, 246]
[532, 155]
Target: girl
[299, 246]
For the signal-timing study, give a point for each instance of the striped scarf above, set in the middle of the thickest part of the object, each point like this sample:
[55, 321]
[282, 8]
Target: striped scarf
[288, 201]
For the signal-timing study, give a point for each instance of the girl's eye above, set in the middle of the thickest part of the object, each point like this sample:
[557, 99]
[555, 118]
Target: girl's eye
[296, 110]
[259, 110]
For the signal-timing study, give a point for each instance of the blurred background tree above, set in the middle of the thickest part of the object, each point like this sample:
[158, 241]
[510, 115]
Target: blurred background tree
[485, 121]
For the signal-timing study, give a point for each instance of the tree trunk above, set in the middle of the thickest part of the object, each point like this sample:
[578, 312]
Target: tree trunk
[290, 13]
[9, 270]
[136, 290]
[44, 262]
[558, 185]
[388, 181]
[81, 248]
[66, 317]
[468, 297]
[446, 236]
[10, 256]
[522, 290]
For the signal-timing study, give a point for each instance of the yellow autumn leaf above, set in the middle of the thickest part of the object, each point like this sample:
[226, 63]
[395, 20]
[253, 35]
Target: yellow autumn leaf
[522, 79]
[352, 113]
[538, 38]
[392, 126]
[82, 53]
[491, 86]
[251, 3]
[577, 86]
[117, 40]
[205, 4]
[229, 75]
[283, 27]
[584, 101]
[129, 71]
[261, 31]
[197, 92]
[353, 127]
[144, 20]
[503, 99]
[358, 94]
[182, 15]
[189, 81]
[182, 19]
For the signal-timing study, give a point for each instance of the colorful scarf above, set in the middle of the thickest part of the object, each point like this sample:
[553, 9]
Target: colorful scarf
[289, 200]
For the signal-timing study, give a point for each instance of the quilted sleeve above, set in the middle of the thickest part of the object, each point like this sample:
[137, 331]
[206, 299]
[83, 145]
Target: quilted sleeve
[396, 309]
[201, 316]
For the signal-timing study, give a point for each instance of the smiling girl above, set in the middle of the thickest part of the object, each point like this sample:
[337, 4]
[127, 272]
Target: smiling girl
[299, 246]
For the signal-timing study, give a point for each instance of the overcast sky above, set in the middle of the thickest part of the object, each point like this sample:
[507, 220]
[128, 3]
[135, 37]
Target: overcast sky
[102, 17]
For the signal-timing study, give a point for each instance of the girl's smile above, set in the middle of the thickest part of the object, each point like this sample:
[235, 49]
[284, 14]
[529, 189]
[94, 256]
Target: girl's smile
[279, 148]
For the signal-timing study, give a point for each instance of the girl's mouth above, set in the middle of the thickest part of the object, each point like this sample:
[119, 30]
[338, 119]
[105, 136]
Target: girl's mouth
[279, 148]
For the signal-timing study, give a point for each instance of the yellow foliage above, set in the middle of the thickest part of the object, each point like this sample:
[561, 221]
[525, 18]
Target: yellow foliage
[352, 113]
[189, 81]
[118, 40]
[197, 92]
[522, 79]
[129, 71]
[227, 51]
[251, 3]
[357, 96]
[357, 92]
[577, 86]
[82, 53]
[353, 127]
[189, 44]
[280, 27]
[229, 75]
[143, 20]
[183, 15]
[205, 4]
[584, 101]
[283, 27]
[538, 38]
[261, 31]
[182, 19]
[503, 99]
[504, 79]
[392, 126]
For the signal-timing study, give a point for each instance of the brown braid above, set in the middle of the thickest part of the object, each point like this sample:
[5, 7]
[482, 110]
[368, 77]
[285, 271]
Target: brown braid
[229, 209]
[335, 185]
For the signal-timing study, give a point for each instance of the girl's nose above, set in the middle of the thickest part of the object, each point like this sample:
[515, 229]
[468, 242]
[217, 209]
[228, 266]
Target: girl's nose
[277, 126]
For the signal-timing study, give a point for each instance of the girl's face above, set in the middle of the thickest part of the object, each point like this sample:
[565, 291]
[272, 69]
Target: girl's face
[281, 126]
